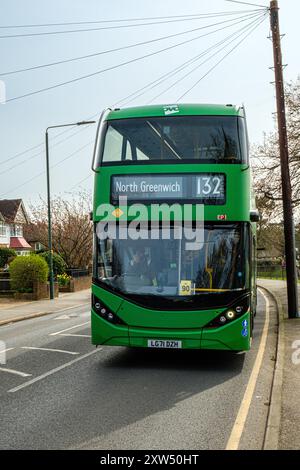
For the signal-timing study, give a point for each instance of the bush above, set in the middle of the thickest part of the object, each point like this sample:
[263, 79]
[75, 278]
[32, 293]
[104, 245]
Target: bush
[25, 270]
[6, 254]
[63, 279]
[59, 264]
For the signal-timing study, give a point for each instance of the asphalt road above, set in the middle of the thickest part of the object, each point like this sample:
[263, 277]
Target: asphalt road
[67, 394]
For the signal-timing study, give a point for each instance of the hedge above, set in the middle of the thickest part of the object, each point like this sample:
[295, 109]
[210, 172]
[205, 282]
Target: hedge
[25, 270]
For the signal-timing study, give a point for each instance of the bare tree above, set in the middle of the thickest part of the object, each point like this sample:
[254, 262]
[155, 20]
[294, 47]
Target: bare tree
[72, 230]
[266, 160]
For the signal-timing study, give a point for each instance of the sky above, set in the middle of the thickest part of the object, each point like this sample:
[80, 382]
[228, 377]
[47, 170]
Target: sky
[244, 76]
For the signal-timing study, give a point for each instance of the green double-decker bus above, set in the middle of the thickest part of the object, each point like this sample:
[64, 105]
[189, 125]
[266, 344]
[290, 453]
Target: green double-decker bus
[174, 228]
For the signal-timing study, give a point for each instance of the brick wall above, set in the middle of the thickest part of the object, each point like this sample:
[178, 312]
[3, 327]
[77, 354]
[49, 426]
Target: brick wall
[40, 291]
[80, 283]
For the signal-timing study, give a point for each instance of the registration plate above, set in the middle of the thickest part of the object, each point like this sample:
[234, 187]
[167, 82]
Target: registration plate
[162, 343]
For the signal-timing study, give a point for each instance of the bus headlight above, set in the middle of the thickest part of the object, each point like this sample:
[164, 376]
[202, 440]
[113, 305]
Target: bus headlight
[104, 312]
[230, 314]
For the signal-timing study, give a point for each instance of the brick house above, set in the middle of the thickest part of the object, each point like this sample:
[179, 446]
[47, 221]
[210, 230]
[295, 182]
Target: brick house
[12, 218]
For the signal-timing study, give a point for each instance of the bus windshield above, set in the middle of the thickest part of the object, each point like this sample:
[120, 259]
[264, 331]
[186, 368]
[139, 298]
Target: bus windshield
[198, 139]
[165, 267]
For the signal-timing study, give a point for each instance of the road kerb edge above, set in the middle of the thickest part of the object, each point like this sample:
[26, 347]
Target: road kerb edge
[271, 440]
[35, 315]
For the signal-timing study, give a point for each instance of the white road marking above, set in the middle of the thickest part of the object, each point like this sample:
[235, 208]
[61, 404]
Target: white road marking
[63, 317]
[67, 329]
[238, 427]
[51, 372]
[5, 350]
[69, 308]
[80, 336]
[72, 315]
[51, 350]
[16, 372]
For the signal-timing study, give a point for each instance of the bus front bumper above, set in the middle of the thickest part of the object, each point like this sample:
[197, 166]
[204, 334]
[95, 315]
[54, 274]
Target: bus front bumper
[234, 336]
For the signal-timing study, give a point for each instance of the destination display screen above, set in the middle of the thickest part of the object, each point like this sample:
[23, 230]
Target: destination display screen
[204, 188]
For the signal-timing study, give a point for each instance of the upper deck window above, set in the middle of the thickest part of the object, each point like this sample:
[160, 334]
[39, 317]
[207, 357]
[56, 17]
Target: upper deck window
[197, 139]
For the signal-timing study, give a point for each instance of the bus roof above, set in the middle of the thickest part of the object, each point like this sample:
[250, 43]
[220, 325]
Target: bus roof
[195, 109]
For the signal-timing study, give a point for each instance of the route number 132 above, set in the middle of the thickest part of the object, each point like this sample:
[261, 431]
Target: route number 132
[210, 186]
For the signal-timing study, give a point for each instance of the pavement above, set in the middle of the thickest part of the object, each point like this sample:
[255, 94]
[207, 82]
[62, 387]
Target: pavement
[18, 311]
[286, 412]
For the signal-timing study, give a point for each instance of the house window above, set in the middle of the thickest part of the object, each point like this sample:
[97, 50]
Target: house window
[23, 253]
[2, 229]
[16, 231]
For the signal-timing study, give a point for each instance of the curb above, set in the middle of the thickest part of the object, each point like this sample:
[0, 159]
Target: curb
[16, 319]
[36, 315]
[271, 440]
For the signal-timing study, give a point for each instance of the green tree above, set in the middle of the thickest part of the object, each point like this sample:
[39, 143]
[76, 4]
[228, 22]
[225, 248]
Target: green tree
[59, 264]
[6, 254]
[25, 270]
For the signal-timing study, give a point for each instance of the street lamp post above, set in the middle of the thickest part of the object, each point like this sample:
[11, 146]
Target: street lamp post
[51, 276]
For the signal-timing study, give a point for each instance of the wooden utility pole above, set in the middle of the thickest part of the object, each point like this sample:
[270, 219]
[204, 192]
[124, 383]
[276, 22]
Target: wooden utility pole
[289, 232]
